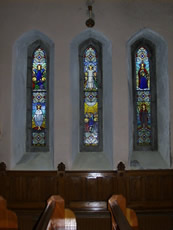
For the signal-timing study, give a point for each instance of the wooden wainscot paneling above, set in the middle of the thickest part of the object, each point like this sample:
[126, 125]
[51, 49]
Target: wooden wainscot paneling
[148, 192]
[150, 189]
[135, 188]
[106, 185]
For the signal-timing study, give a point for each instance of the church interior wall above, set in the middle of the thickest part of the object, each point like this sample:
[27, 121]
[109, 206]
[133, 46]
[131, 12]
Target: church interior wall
[61, 21]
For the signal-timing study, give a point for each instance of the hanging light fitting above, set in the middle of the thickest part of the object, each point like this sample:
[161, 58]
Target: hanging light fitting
[90, 22]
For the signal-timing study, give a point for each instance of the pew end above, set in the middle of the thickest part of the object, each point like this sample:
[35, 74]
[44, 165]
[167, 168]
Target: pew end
[56, 216]
[8, 219]
[119, 201]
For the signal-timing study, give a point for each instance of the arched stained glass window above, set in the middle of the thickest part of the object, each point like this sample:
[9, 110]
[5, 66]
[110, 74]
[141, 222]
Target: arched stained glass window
[145, 98]
[37, 108]
[39, 96]
[91, 96]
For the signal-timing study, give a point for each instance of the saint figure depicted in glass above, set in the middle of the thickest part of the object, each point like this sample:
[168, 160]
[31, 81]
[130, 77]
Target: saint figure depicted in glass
[39, 94]
[143, 97]
[90, 88]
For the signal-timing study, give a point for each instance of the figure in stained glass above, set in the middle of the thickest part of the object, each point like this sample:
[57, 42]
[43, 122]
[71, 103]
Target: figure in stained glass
[90, 69]
[38, 77]
[143, 98]
[91, 118]
[38, 117]
[143, 77]
[90, 78]
[143, 114]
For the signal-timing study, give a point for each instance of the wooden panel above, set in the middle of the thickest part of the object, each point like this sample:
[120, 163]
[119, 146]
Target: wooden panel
[93, 221]
[106, 187]
[135, 183]
[151, 221]
[26, 191]
[4, 191]
[27, 219]
[91, 189]
[48, 186]
[152, 188]
[74, 188]
[166, 187]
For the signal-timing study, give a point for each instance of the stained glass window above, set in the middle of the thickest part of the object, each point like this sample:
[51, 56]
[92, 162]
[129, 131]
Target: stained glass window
[91, 136]
[145, 98]
[37, 138]
[91, 103]
[39, 97]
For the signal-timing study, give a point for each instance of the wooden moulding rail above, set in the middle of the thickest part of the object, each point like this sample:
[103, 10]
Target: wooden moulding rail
[122, 218]
[8, 219]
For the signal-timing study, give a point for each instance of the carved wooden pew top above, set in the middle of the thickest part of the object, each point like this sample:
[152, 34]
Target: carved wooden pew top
[56, 217]
[122, 218]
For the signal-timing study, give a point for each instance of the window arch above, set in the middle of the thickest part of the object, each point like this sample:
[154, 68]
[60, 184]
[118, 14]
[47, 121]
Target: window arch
[144, 95]
[90, 63]
[38, 98]
[157, 154]
[91, 157]
[24, 155]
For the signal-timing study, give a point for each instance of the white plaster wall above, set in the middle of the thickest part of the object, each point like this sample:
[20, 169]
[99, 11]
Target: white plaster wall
[61, 21]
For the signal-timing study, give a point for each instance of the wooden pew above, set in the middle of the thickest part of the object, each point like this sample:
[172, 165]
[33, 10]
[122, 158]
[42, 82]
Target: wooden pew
[56, 217]
[122, 218]
[8, 219]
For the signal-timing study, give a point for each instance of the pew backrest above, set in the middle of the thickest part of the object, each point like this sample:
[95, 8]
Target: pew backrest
[122, 218]
[56, 216]
[8, 218]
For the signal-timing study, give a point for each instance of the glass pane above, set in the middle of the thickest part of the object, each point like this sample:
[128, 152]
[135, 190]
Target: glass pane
[90, 87]
[39, 95]
[143, 98]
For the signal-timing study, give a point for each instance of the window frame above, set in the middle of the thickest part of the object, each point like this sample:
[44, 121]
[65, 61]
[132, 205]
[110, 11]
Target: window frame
[98, 47]
[31, 49]
[150, 47]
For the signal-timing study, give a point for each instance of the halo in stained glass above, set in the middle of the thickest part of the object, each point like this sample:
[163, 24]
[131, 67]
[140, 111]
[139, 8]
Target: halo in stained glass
[90, 69]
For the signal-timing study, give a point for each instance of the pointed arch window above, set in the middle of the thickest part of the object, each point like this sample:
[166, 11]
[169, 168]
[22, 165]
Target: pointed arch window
[37, 98]
[144, 88]
[90, 96]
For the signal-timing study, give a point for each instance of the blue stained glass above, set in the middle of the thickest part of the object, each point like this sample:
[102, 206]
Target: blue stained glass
[143, 98]
[39, 98]
[91, 136]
